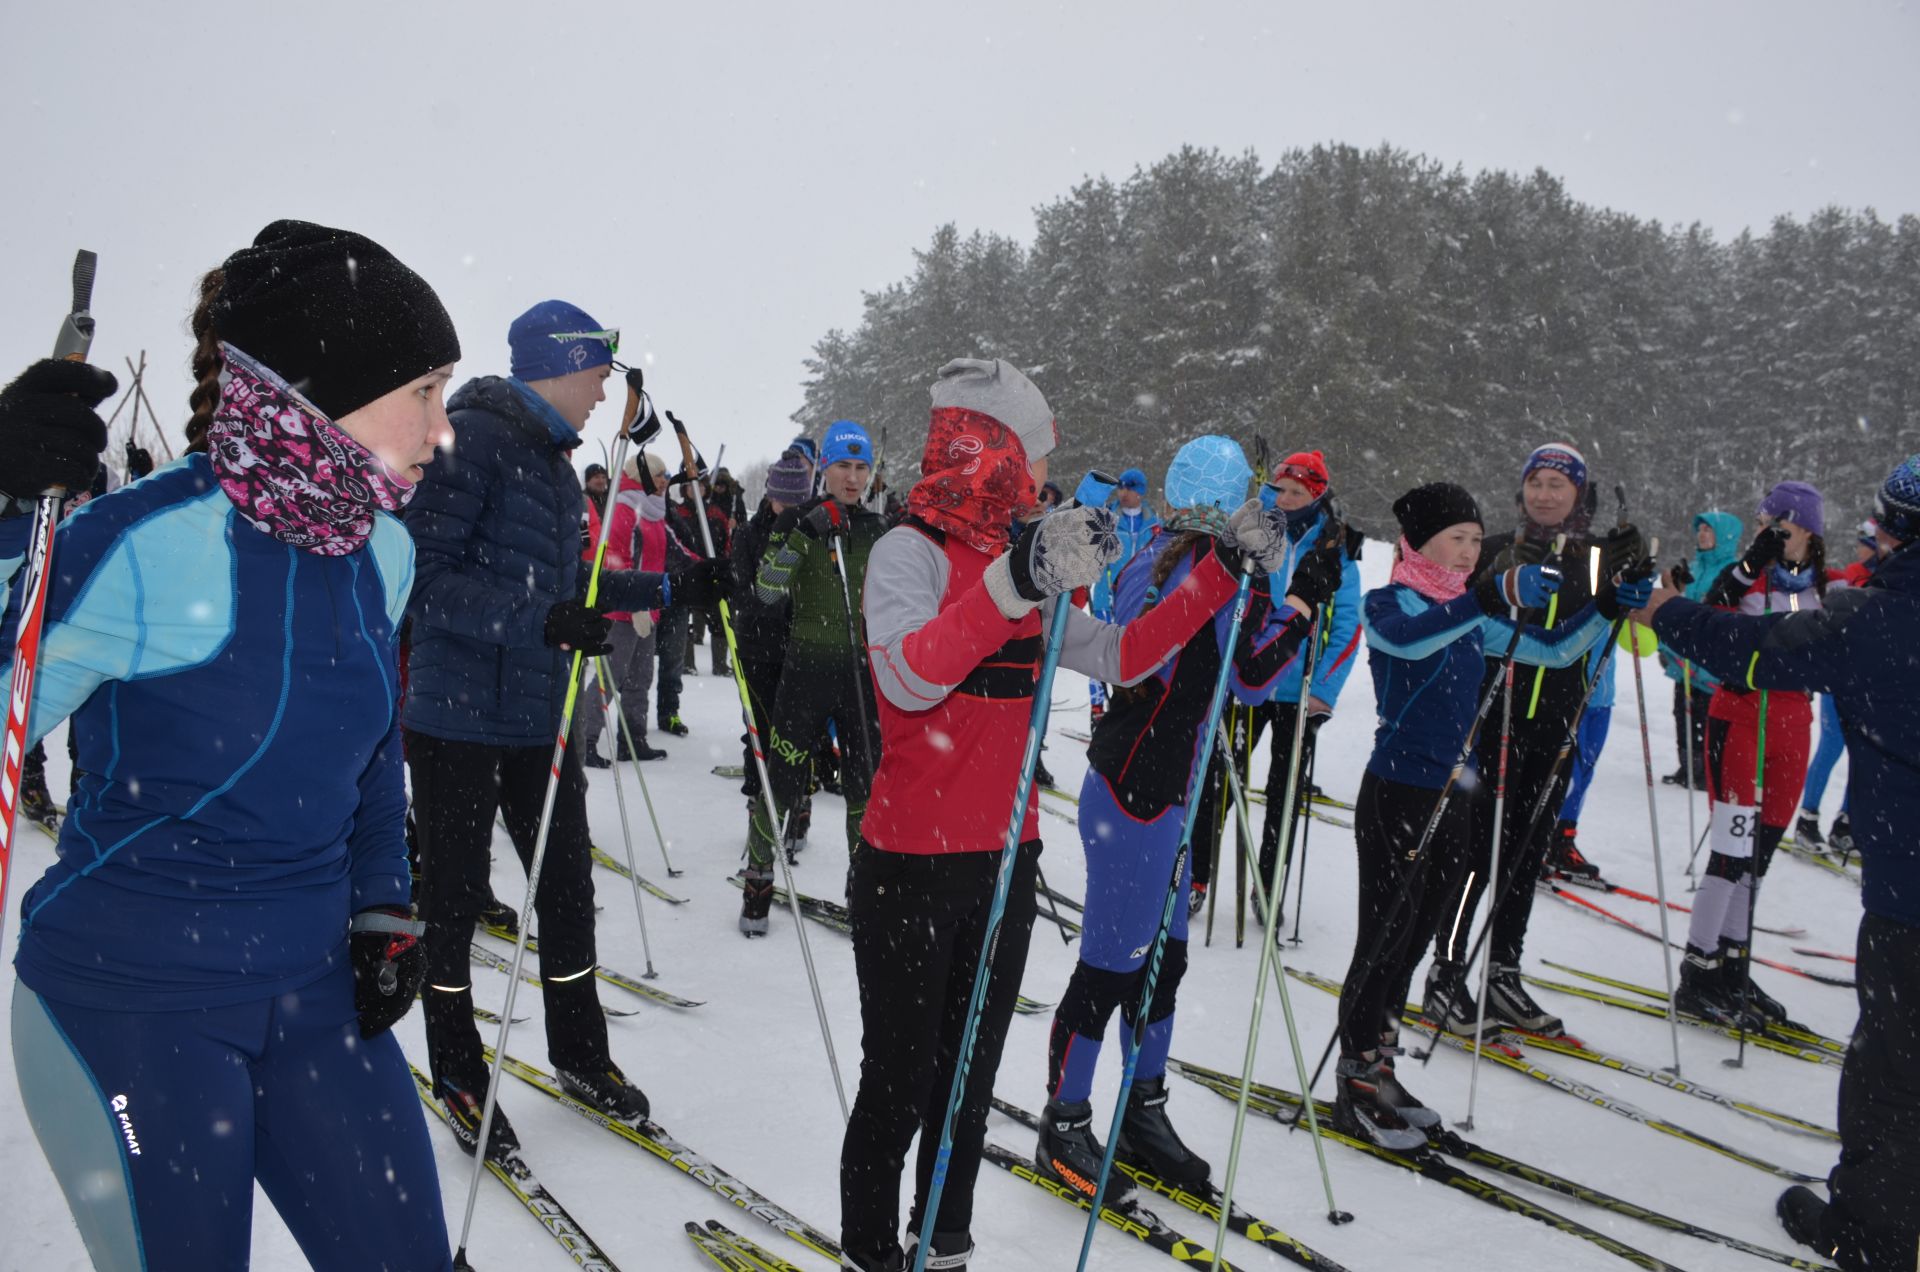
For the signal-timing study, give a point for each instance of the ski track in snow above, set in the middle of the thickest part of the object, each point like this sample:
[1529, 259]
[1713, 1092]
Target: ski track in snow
[743, 1079]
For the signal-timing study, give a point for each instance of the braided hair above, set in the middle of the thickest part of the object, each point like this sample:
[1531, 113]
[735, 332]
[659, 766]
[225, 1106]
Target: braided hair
[206, 363]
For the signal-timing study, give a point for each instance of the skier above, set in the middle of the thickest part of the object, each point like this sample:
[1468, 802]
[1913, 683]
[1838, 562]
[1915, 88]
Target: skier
[1428, 633]
[209, 973]
[823, 677]
[498, 609]
[954, 640]
[1133, 803]
[596, 484]
[704, 624]
[1833, 741]
[1555, 499]
[760, 639]
[1859, 648]
[1135, 523]
[1783, 569]
[1716, 537]
[637, 539]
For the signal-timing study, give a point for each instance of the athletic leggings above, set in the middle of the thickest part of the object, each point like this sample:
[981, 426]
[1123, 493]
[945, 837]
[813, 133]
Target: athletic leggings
[1392, 933]
[1129, 866]
[1742, 845]
[1833, 745]
[918, 923]
[158, 1123]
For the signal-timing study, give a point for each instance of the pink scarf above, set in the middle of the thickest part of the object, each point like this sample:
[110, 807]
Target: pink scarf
[290, 471]
[1429, 578]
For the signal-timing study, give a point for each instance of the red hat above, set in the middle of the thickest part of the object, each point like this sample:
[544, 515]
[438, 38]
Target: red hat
[1309, 468]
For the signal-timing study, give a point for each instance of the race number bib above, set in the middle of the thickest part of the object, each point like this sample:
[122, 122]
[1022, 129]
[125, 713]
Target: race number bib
[1734, 829]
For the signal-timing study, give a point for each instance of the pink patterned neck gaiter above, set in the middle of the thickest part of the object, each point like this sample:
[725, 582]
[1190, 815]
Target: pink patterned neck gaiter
[291, 471]
[1429, 578]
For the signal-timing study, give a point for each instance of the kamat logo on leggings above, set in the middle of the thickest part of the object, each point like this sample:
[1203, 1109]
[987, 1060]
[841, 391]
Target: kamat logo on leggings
[126, 1125]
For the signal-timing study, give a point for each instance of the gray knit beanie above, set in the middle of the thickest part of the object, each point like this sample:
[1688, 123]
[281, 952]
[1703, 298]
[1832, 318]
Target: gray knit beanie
[997, 388]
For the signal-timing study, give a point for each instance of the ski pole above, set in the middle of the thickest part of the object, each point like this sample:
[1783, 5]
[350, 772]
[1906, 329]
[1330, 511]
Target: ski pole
[836, 548]
[1417, 859]
[1493, 873]
[1137, 1035]
[1264, 897]
[1305, 822]
[1653, 826]
[610, 703]
[1698, 844]
[632, 428]
[690, 462]
[1053, 906]
[1243, 750]
[73, 343]
[1002, 884]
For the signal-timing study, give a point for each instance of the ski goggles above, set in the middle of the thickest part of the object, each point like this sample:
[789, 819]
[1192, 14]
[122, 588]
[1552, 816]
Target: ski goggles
[1311, 478]
[610, 338]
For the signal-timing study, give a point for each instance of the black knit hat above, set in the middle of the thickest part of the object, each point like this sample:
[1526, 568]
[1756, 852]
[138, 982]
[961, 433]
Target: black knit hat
[1426, 510]
[334, 313]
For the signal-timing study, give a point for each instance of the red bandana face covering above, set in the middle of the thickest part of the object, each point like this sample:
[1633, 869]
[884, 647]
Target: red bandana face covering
[1429, 578]
[292, 472]
[976, 480]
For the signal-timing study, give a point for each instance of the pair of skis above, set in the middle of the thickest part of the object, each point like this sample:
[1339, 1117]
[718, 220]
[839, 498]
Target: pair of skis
[1572, 898]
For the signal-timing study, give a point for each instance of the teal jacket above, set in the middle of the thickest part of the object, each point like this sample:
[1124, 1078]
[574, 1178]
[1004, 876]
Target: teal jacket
[1706, 566]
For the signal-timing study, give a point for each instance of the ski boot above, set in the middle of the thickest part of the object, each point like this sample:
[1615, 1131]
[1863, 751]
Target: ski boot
[1360, 1110]
[1040, 775]
[1509, 1003]
[1148, 1140]
[756, 900]
[1069, 1153]
[1840, 840]
[1737, 978]
[464, 1097]
[674, 724]
[793, 846]
[1404, 1102]
[1196, 898]
[591, 758]
[889, 1260]
[496, 913]
[37, 805]
[1804, 1215]
[1448, 1001]
[1565, 858]
[1702, 993]
[1806, 832]
[949, 1252]
[606, 1089]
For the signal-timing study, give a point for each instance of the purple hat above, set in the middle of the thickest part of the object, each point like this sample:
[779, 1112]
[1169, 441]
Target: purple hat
[790, 479]
[1798, 502]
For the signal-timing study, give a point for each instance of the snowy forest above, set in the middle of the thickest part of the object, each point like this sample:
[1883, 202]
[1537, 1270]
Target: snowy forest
[1415, 322]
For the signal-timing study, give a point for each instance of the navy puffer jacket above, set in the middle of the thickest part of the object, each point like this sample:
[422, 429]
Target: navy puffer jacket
[496, 528]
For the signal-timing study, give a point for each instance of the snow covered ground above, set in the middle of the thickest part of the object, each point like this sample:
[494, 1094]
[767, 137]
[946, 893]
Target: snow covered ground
[744, 1080]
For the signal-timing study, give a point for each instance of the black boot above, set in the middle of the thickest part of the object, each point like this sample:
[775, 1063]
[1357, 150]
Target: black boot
[1509, 1003]
[1702, 992]
[1068, 1152]
[1840, 840]
[1804, 1215]
[756, 900]
[607, 1089]
[1565, 858]
[1148, 1140]
[949, 1252]
[1737, 978]
[1360, 1111]
[1404, 1102]
[888, 1260]
[460, 1073]
[1806, 832]
[497, 915]
[1448, 1002]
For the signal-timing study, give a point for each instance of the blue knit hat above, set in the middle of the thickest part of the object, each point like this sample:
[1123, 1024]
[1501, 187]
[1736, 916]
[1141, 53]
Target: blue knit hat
[1562, 458]
[845, 440]
[555, 338]
[1135, 480]
[1209, 472]
[1898, 506]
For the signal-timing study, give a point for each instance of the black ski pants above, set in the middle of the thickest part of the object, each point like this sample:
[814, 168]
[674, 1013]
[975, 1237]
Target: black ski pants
[918, 924]
[1215, 816]
[457, 787]
[1532, 784]
[1402, 897]
[1874, 1219]
[818, 685]
[1702, 700]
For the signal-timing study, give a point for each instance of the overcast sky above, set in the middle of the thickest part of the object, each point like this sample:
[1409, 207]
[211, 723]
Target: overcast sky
[723, 181]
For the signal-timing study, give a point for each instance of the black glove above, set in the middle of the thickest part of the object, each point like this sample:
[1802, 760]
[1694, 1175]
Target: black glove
[1766, 548]
[389, 962]
[788, 519]
[1629, 591]
[1317, 577]
[827, 518]
[1681, 574]
[1621, 548]
[698, 582]
[139, 461]
[49, 432]
[577, 625]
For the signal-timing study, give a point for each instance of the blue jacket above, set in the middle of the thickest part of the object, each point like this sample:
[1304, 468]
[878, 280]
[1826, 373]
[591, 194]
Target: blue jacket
[1340, 630]
[497, 522]
[1707, 566]
[1859, 648]
[1134, 535]
[241, 793]
[1428, 664]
